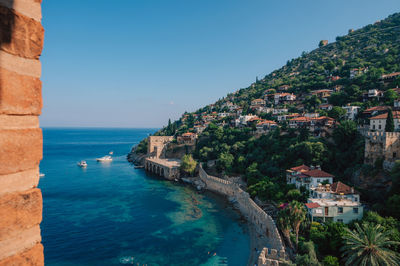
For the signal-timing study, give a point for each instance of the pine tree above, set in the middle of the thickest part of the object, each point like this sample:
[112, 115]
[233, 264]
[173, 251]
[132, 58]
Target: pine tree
[389, 122]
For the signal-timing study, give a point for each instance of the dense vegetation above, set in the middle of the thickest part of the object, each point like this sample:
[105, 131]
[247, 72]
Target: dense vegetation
[373, 50]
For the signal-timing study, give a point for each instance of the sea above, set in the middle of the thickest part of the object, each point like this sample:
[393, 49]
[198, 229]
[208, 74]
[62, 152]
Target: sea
[113, 214]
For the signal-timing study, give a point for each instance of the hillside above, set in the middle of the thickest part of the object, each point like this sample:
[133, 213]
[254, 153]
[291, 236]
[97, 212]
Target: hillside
[316, 113]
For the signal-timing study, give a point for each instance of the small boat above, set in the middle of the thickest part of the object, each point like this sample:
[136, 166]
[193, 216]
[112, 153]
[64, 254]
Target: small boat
[106, 158]
[111, 153]
[139, 166]
[41, 175]
[82, 164]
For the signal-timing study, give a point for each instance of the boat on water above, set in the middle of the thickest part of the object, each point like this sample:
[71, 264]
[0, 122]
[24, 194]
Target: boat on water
[82, 164]
[41, 175]
[106, 158]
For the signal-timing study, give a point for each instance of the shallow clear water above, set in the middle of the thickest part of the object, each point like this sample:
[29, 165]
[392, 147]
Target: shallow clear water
[113, 214]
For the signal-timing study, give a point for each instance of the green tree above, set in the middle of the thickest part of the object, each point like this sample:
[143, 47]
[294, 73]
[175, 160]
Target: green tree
[284, 225]
[389, 127]
[390, 96]
[297, 217]
[330, 261]
[188, 164]
[369, 244]
[337, 113]
[225, 161]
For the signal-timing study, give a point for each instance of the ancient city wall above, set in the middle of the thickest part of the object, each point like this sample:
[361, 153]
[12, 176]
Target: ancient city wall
[264, 223]
[21, 42]
[382, 145]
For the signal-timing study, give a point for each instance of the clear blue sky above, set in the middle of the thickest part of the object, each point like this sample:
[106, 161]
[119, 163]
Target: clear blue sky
[137, 63]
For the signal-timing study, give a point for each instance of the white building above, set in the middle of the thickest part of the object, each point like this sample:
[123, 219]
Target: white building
[279, 111]
[304, 176]
[378, 123]
[242, 120]
[351, 111]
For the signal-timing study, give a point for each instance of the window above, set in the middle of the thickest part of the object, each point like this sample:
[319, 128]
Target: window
[340, 209]
[318, 180]
[394, 155]
[355, 210]
[340, 220]
[373, 126]
[380, 126]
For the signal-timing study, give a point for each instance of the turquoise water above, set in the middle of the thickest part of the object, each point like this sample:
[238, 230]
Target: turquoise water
[113, 214]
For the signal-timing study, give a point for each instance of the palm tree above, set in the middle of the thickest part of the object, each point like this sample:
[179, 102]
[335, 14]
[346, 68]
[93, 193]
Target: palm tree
[283, 222]
[297, 216]
[369, 244]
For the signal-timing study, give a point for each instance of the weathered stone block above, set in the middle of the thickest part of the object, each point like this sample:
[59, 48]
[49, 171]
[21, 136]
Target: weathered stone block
[19, 242]
[19, 211]
[20, 35]
[31, 257]
[19, 94]
[20, 181]
[20, 149]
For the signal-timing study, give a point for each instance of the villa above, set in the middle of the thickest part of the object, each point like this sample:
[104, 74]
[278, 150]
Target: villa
[308, 177]
[337, 202]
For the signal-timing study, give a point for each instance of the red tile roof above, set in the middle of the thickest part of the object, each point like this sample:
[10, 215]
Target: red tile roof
[312, 205]
[395, 74]
[339, 187]
[376, 108]
[317, 173]
[396, 115]
[301, 119]
[301, 168]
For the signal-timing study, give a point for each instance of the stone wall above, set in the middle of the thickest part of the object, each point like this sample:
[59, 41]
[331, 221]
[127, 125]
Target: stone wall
[156, 146]
[385, 145]
[264, 223]
[21, 42]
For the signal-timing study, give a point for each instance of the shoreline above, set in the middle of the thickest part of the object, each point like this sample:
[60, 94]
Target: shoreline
[257, 241]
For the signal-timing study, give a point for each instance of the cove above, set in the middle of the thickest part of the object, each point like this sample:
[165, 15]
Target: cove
[113, 214]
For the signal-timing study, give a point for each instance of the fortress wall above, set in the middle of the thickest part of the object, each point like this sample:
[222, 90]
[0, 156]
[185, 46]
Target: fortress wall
[157, 145]
[264, 223]
[21, 42]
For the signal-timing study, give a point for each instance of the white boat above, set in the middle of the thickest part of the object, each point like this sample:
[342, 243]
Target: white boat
[41, 175]
[106, 158]
[82, 164]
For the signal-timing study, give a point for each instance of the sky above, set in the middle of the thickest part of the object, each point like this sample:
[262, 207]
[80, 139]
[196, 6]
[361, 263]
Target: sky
[137, 63]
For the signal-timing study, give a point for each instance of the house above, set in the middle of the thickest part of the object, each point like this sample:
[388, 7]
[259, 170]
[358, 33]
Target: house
[351, 111]
[357, 71]
[374, 93]
[378, 123]
[325, 210]
[199, 128]
[243, 119]
[311, 115]
[281, 97]
[299, 122]
[187, 138]
[321, 125]
[264, 126]
[308, 177]
[292, 173]
[396, 103]
[376, 110]
[325, 106]
[257, 102]
[337, 203]
[390, 77]
[323, 94]
[279, 111]
[283, 88]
